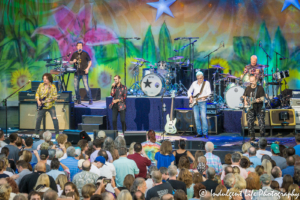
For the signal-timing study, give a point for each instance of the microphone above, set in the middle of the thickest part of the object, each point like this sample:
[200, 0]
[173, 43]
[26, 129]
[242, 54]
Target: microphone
[69, 54]
[80, 50]
[137, 38]
[175, 50]
[194, 41]
[283, 58]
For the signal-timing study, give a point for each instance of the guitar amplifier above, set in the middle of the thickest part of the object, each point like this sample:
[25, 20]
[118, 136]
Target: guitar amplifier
[64, 97]
[294, 102]
[27, 96]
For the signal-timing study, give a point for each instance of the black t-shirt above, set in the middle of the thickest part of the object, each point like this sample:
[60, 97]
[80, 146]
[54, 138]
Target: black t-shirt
[159, 191]
[3, 176]
[84, 58]
[177, 185]
[249, 92]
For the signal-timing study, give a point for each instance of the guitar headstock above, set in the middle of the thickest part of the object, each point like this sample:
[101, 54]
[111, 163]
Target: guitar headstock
[173, 94]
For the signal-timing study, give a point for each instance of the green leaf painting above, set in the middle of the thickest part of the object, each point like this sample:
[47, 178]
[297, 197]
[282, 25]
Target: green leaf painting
[148, 47]
[165, 43]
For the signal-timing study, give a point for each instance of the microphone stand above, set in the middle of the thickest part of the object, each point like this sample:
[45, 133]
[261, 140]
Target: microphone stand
[4, 101]
[268, 56]
[163, 110]
[124, 40]
[208, 56]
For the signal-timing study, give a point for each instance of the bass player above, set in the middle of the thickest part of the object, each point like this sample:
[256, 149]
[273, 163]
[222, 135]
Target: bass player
[200, 89]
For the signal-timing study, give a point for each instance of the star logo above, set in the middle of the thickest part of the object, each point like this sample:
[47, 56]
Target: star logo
[147, 83]
[162, 6]
[287, 3]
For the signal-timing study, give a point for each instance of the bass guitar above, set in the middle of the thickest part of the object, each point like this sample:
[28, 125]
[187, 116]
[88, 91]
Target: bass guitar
[42, 103]
[250, 101]
[196, 100]
[170, 126]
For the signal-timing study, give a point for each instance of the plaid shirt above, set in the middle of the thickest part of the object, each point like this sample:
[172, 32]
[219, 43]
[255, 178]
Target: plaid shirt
[84, 178]
[214, 161]
[72, 164]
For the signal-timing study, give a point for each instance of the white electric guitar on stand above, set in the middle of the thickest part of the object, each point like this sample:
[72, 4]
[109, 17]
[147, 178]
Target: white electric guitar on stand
[170, 126]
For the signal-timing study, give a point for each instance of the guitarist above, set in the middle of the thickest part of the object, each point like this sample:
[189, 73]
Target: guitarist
[45, 96]
[257, 92]
[201, 88]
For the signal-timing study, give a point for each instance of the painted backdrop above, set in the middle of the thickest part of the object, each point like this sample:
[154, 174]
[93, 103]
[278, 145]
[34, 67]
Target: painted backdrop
[31, 30]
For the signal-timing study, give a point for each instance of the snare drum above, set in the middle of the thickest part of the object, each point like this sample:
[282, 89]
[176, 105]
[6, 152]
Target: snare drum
[152, 84]
[147, 71]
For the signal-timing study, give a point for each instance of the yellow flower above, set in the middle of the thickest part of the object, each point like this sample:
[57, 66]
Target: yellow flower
[221, 62]
[20, 77]
[102, 76]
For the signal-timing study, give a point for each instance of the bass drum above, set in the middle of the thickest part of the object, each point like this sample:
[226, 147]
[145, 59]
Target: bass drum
[233, 97]
[152, 84]
[230, 85]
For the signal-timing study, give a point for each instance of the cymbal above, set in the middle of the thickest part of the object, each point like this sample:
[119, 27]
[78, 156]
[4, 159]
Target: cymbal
[231, 76]
[225, 74]
[176, 58]
[217, 67]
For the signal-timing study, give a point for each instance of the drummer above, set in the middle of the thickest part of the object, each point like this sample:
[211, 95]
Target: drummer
[253, 68]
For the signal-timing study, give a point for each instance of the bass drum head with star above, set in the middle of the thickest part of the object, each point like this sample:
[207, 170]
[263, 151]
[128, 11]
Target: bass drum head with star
[152, 84]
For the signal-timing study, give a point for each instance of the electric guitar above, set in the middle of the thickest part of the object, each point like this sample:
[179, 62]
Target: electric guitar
[196, 99]
[42, 105]
[170, 126]
[250, 101]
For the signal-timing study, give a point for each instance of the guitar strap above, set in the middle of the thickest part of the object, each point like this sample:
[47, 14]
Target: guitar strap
[202, 88]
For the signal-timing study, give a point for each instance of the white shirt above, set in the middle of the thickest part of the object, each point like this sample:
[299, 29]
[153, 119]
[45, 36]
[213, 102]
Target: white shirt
[63, 157]
[196, 88]
[8, 173]
[105, 171]
[149, 183]
[95, 170]
[260, 153]
[112, 168]
[279, 180]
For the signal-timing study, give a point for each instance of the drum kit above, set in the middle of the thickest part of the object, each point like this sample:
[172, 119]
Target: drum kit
[158, 78]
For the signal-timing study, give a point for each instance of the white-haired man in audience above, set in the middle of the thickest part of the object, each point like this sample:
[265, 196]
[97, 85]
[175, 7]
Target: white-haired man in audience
[212, 160]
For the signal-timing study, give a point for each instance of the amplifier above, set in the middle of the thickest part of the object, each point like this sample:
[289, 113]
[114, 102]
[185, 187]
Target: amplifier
[276, 117]
[35, 85]
[245, 122]
[296, 93]
[212, 106]
[213, 112]
[27, 96]
[297, 116]
[30, 96]
[135, 136]
[96, 94]
[65, 116]
[294, 102]
[28, 115]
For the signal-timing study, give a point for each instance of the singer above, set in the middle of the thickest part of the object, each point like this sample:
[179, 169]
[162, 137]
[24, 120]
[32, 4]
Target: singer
[118, 105]
[45, 96]
[82, 62]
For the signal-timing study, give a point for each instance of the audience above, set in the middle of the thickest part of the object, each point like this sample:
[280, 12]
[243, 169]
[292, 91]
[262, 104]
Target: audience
[297, 147]
[149, 172]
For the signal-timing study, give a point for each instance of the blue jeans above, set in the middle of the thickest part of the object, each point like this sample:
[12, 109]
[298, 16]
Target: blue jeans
[201, 109]
[85, 83]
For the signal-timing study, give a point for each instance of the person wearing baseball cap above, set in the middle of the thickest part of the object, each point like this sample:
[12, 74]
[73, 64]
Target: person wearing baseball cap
[44, 155]
[97, 164]
[266, 192]
[280, 161]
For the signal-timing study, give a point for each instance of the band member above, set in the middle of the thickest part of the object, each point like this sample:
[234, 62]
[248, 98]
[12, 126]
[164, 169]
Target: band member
[201, 88]
[46, 96]
[118, 105]
[253, 68]
[258, 93]
[82, 62]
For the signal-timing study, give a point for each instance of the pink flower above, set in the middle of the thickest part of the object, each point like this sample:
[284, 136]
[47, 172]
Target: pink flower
[72, 28]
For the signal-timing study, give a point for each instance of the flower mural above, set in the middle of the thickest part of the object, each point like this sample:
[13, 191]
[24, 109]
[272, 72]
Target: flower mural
[71, 28]
[20, 77]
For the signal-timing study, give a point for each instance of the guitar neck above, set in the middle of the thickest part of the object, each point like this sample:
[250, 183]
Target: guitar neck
[171, 113]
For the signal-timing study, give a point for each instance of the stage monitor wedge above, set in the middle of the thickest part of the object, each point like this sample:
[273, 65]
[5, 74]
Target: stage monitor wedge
[135, 136]
[275, 117]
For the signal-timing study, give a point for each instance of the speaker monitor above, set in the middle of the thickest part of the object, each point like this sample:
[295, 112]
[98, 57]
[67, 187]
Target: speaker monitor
[275, 117]
[199, 145]
[245, 123]
[28, 114]
[73, 135]
[64, 114]
[12, 117]
[135, 136]
[109, 133]
[96, 94]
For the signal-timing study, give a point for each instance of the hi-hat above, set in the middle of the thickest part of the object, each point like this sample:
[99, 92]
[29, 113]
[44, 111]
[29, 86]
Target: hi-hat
[176, 58]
